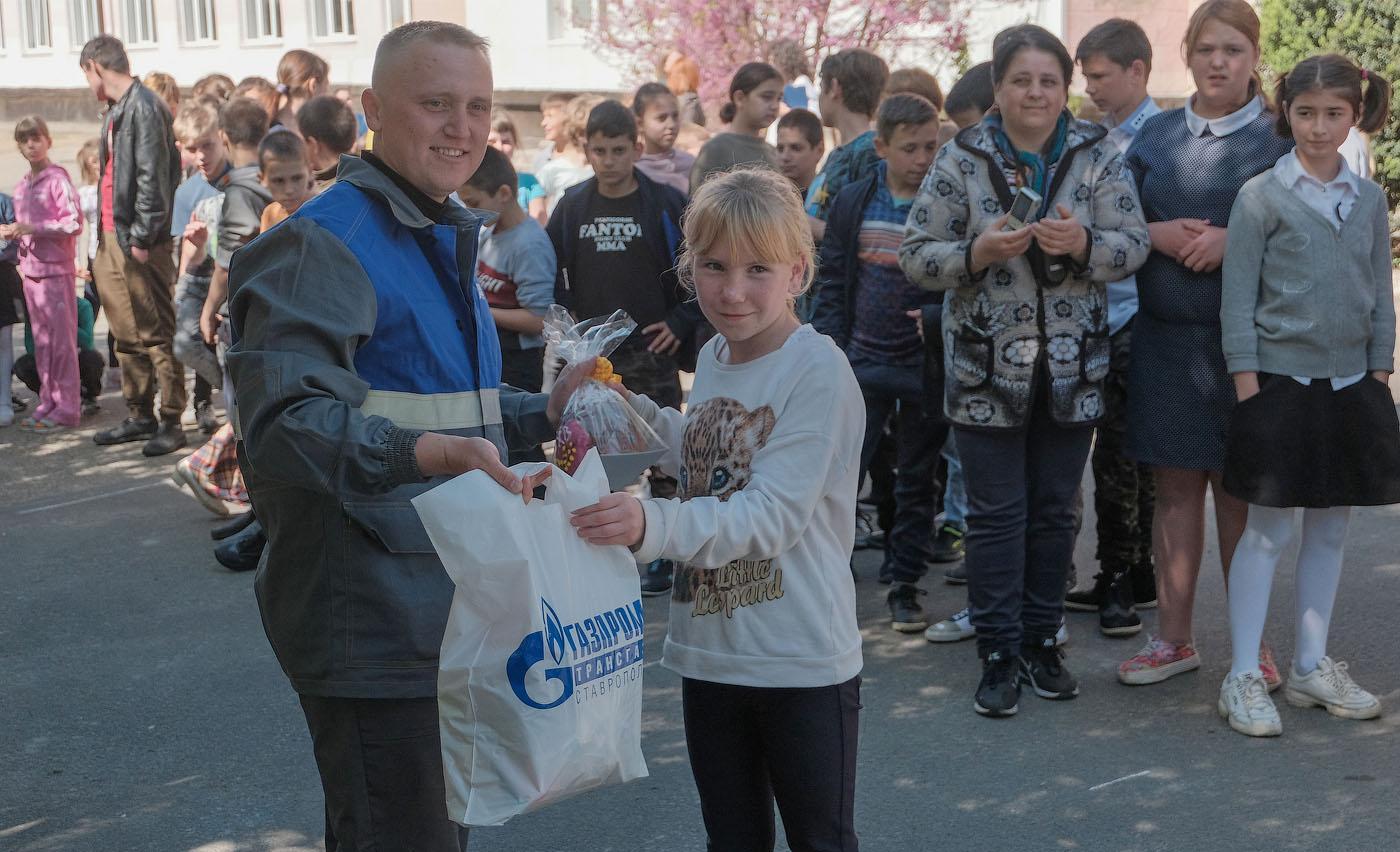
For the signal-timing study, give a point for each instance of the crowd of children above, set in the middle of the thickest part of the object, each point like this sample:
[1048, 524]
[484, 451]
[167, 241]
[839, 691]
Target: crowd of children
[1151, 307]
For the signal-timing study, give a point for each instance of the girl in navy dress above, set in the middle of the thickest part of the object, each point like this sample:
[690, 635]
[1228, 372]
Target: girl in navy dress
[1308, 320]
[1189, 164]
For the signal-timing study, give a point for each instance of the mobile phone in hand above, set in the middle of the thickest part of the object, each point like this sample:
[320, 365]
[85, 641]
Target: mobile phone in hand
[1023, 206]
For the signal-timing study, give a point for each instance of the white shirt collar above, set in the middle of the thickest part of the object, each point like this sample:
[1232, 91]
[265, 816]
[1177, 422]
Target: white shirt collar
[1290, 173]
[1133, 123]
[1225, 125]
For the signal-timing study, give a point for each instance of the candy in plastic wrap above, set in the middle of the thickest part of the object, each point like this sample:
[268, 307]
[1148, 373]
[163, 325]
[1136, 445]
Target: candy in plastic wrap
[596, 415]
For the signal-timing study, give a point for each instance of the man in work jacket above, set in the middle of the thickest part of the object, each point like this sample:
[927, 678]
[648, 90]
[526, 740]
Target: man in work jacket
[367, 370]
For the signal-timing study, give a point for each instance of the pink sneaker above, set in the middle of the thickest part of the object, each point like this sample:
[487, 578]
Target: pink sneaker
[1268, 668]
[1157, 661]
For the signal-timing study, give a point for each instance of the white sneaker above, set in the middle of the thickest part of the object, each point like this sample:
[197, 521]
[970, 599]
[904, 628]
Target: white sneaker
[1245, 702]
[1330, 686]
[7, 415]
[1062, 635]
[955, 628]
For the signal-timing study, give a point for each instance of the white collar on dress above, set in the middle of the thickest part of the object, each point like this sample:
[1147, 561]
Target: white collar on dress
[1225, 125]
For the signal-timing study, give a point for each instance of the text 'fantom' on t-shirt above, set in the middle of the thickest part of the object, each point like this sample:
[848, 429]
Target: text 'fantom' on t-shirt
[617, 267]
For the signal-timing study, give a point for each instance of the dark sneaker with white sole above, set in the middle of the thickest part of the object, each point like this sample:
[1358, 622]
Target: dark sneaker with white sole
[1042, 668]
[999, 692]
[906, 615]
[948, 544]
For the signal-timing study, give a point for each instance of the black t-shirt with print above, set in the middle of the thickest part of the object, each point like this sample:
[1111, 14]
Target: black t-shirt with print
[616, 267]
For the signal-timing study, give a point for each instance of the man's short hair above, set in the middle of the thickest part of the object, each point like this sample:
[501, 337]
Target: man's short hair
[196, 121]
[243, 121]
[611, 119]
[973, 90]
[283, 146]
[494, 172]
[29, 127]
[862, 76]
[1119, 40]
[439, 32]
[330, 121]
[105, 51]
[805, 122]
[903, 110]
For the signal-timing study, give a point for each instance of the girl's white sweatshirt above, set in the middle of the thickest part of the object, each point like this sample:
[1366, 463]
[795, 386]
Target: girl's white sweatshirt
[767, 456]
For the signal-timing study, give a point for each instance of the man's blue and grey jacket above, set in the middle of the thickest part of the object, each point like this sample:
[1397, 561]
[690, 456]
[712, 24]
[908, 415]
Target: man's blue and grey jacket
[358, 325]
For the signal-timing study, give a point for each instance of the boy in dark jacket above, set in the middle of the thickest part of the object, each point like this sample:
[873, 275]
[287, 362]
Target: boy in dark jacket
[868, 306]
[616, 240]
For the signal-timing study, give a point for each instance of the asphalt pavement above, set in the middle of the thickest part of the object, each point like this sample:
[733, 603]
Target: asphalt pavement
[141, 707]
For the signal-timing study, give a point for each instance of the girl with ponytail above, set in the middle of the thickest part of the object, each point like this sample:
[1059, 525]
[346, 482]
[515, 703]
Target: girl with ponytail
[1308, 331]
[755, 94]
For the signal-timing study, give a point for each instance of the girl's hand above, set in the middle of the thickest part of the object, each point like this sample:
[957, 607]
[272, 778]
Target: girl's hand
[84, 274]
[209, 320]
[1206, 251]
[1246, 385]
[918, 317]
[1064, 236]
[615, 519]
[664, 343]
[197, 233]
[21, 229]
[997, 246]
[1170, 238]
[1381, 376]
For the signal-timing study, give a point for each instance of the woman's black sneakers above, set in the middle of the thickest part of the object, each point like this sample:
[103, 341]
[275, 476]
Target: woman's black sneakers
[999, 693]
[1042, 668]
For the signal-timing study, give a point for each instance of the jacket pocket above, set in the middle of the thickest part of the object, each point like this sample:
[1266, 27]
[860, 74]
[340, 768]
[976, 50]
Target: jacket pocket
[971, 357]
[397, 593]
[1095, 356]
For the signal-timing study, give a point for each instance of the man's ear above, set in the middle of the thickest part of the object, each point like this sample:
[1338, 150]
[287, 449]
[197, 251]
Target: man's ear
[369, 101]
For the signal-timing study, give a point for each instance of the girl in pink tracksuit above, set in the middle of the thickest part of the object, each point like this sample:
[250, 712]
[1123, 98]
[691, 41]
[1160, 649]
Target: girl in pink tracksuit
[48, 220]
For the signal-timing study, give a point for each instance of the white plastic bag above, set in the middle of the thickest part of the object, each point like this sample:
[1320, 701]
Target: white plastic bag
[540, 678]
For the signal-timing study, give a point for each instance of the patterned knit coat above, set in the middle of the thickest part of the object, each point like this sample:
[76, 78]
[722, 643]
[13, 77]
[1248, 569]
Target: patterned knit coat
[1031, 313]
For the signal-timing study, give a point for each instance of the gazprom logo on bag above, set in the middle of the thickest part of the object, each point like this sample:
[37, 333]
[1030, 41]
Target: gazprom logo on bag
[590, 657]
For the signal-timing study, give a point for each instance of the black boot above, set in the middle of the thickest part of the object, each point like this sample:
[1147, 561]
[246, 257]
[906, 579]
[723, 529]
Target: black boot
[1092, 598]
[206, 418]
[1117, 616]
[242, 551]
[233, 525]
[130, 429]
[168, 438]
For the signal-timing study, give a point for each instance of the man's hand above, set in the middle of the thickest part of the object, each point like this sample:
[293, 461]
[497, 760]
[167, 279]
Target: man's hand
[451, 455]
[15, 230]
[1170, 238]
[1204, 252]
[140, 255]
[568, 382]
[616, 519]
[664, 343]
[997, 246]
[1064, 236]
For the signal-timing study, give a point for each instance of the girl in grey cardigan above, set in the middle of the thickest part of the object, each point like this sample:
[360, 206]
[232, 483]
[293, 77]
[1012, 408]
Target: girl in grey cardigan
[1025, 343]
[1308, 330]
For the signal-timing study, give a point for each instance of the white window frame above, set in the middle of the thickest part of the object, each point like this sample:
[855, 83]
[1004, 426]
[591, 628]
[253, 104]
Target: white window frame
[80, 10]
[389, 17]
[129, 30]
[328, 8]
[192, 14]
[27, 9]
[256, 26]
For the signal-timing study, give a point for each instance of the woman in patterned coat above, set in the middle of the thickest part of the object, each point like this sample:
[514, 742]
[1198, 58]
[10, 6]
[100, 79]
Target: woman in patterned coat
[1025, 343]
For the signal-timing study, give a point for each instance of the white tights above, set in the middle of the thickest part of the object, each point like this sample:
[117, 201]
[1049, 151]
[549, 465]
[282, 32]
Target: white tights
[1265, 539]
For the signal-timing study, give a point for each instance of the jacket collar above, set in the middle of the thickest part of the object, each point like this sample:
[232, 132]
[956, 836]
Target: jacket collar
[980, 137]
[376, 184]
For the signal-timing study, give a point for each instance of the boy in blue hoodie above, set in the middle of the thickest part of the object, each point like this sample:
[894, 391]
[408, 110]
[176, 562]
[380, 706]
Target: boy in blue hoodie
[868, 306]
